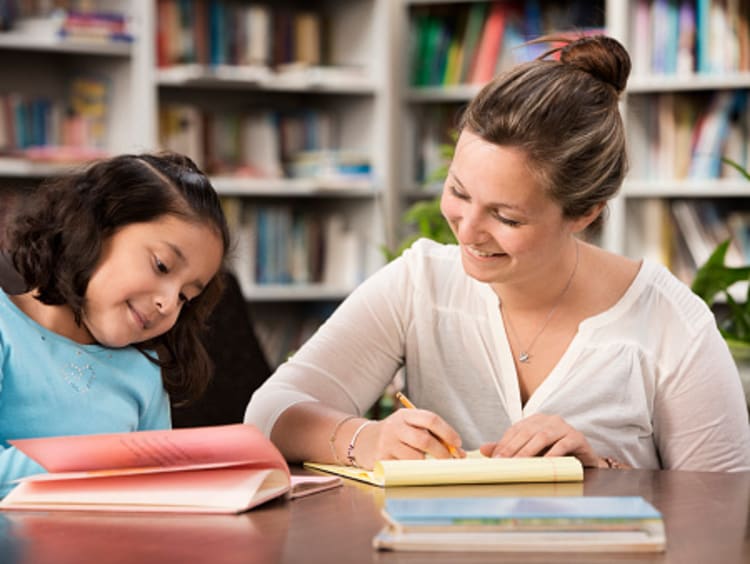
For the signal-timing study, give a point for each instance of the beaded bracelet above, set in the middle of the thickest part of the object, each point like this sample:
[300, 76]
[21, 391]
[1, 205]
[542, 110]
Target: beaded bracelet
[350, 449]
[332, 438]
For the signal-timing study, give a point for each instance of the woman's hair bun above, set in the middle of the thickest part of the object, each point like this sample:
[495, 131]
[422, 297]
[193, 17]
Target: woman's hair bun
[603, 57]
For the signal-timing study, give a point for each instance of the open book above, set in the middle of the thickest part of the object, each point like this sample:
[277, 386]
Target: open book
[221, 469]
[522, 524]
[474, 469]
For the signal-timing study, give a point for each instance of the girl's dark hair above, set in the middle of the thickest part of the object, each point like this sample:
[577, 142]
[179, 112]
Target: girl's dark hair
[564, 115]
[56, 241]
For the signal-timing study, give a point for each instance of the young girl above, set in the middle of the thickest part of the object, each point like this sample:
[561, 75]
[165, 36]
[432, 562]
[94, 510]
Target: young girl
[523, 339]
[122, 263]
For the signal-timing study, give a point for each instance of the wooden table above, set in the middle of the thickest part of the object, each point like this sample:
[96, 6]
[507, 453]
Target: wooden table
[706, 516]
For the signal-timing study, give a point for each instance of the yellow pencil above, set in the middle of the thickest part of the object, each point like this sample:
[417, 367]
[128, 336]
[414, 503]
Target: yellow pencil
[406, 402]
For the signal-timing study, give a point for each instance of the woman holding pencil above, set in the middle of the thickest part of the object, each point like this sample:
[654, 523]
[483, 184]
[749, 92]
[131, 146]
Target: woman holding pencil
[523, 339]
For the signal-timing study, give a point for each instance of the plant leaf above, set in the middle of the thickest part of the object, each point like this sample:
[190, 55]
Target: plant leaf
[737, 166]
[715, 277]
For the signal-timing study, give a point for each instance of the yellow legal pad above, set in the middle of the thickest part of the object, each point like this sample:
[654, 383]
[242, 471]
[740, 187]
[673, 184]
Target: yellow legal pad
[470, 470]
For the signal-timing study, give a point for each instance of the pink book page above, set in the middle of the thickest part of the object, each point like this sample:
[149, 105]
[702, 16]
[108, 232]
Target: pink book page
[197, 446]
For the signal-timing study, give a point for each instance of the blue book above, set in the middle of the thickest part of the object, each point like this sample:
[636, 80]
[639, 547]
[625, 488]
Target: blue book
[519, 512]
[522, 524]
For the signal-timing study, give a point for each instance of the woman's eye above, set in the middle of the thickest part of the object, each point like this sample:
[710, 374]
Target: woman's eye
[458, 194]
[507, 221]
[183, 298]
[161, 267]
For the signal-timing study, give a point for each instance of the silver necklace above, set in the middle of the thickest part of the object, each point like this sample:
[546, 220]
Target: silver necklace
[525, 354]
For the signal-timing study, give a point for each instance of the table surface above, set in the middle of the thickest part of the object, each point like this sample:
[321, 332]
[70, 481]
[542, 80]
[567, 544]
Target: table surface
[706, 518]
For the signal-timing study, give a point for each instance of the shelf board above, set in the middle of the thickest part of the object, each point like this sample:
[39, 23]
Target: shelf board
[294, 187]
[645, 84]
[294, 292]
[419, 192]
[456, 93]
[314, 79]
[431, 2]
[716, 188]
[638, 84]
[44, 43]
[24, 168]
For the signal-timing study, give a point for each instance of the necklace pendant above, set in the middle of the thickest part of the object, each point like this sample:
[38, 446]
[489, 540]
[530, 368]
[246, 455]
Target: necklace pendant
[523, 357]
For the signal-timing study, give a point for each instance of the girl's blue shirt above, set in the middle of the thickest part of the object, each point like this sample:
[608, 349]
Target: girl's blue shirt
[53, 386]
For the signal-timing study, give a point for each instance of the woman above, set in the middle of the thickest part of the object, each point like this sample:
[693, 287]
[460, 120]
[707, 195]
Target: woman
[523, 339]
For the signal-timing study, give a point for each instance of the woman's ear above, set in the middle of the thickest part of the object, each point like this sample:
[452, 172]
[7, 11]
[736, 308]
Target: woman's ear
[581, 223]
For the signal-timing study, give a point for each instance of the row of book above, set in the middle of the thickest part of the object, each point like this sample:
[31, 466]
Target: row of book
[260, 143]
[31, 124]
[286, 244]
[681, 37]
[682, 234]
[470, 43]
[220, 32]
[81, 20]
[685, 136]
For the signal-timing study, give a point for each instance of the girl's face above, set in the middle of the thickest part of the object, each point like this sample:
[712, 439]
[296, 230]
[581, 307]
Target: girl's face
[146, 274]
[509, 230]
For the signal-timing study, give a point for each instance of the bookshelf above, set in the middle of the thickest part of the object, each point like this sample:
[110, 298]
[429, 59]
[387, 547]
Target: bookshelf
[291, 117]
[315, 107]
[445, 41]
[641, 220]
[678, 91]
[64, 100]
[362, 79]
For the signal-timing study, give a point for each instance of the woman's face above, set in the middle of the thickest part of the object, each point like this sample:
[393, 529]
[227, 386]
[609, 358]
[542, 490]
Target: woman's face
[146, 274]
[509, 230]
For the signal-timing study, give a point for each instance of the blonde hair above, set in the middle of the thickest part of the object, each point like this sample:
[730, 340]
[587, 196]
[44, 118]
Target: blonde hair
[564, 115]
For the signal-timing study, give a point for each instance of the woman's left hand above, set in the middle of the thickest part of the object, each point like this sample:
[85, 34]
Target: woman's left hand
[543, 435]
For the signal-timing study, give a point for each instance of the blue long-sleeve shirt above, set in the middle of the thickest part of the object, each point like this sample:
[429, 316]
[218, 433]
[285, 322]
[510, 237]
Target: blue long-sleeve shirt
[53, 386]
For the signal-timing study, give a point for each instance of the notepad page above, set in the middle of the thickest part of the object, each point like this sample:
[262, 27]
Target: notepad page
[468, 470]
[477, 471]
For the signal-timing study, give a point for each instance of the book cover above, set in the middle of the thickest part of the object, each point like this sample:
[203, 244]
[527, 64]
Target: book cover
[220, 469]
[474, 469]
[489, 45]
[522, 524]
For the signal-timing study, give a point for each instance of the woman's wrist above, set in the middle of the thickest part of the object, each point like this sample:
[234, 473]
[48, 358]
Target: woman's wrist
[334, 435]
[351, 459]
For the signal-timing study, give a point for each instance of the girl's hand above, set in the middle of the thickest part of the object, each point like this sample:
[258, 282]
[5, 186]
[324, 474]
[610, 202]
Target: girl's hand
[545, 435]
[406, 434]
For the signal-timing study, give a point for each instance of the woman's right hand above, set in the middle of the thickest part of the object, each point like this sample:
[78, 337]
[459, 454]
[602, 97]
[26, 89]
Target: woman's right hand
[406, 434]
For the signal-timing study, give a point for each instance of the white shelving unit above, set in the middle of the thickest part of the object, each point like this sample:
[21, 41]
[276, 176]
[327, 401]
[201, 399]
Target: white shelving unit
[364, 83]
[353, 86]
[625, 210]
[639, 189]
[35, 62]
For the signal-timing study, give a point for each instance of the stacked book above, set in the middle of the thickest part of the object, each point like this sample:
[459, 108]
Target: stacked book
[522, 524]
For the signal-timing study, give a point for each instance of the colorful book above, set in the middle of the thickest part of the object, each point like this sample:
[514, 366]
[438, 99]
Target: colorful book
[521, 524]
[220, 469]
[474, 469]
[489, 45]
[471, 36]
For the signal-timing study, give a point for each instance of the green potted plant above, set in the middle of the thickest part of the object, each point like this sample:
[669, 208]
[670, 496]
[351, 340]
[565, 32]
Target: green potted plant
[425, 215]
[714, 279]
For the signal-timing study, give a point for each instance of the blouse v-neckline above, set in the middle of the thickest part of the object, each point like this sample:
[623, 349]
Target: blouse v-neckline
[506, 382]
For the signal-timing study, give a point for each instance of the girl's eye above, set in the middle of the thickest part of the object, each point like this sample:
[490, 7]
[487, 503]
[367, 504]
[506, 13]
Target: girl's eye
[161, 267]
[183, 298]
